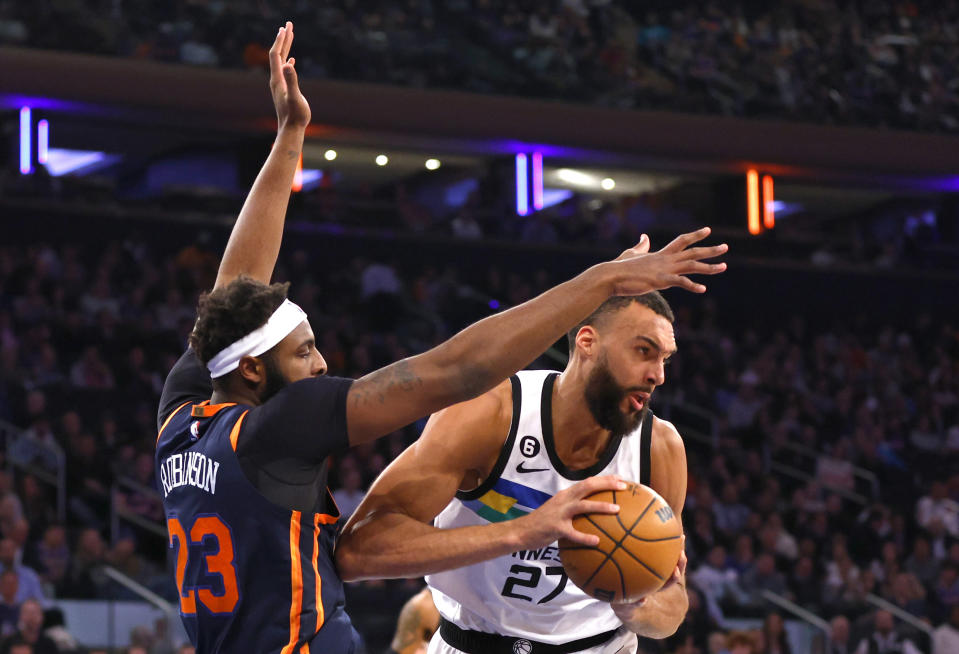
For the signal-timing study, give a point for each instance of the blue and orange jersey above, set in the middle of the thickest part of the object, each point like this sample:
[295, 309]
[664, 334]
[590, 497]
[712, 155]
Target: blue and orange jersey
[251, 575]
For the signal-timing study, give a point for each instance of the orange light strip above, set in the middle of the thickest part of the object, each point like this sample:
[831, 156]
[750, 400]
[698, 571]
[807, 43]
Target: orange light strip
[769, 214]
[752, 200]
[298, 176]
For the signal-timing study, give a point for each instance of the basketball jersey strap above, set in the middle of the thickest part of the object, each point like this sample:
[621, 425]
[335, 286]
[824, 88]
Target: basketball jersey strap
[480, 642]
[645, 444]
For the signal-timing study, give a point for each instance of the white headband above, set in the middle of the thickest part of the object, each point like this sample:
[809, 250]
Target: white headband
[283, 321]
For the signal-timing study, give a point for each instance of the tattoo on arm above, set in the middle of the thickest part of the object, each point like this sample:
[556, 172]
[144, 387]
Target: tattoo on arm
[399, 376]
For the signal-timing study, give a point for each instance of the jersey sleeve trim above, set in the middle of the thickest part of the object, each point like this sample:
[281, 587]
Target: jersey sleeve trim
[168, 419]
[506, 450]
[235, 432]
[645, 445]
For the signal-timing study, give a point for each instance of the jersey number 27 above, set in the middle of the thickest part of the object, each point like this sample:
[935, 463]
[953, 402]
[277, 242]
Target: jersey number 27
[206, 528]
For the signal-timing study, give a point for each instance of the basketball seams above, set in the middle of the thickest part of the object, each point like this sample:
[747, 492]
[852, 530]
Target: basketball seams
[617, 544]
[654, 540]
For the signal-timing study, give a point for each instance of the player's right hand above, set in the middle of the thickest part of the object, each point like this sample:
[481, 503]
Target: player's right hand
[638, 271]
[291, 106]
[554, 519]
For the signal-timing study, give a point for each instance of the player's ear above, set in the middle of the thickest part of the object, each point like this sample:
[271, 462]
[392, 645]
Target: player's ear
[252, 369]
[586, 339]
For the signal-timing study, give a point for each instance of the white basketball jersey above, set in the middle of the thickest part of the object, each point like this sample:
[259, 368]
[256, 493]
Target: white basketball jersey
[526, 594]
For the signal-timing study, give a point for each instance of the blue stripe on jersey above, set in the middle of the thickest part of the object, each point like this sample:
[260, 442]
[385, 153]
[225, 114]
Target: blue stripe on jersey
[524, 495]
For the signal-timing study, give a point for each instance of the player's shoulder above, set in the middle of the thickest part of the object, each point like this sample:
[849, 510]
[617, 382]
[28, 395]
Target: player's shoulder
[491, 409]
[666, 437]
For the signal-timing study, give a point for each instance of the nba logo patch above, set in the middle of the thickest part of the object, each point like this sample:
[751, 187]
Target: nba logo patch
[195, 430]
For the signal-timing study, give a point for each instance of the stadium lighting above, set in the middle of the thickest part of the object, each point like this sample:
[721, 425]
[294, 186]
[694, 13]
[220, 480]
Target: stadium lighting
[752, 201]
[575, 177]
[298, 175]
[43, 141]
[382, 160]
[522, 192]
[26, 143]
[537, 180]
[608, 184]
[769, 203]
[329, 155]
[432, 164]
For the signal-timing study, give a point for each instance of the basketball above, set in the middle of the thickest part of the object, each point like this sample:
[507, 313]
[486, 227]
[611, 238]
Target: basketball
[638, 548]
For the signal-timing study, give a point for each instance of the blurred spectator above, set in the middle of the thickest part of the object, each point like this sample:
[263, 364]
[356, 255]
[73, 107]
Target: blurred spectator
[884, 638]
[921, 562]
[83, 579]
[945, 639]
[774, 635]
[91, 371]
[839, 640]
[28, 582]
[29, 631]
[9, 606]
[739, 642]
[938, 507]
[141, 498]
[763, 576]
[350, 494]
[54, 627]
[53, 554]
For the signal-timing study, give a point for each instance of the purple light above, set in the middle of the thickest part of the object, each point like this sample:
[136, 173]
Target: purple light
[43, 141]
[522, 193]
[26, 145]
[494, 304]
[537, 180]
[62, 161]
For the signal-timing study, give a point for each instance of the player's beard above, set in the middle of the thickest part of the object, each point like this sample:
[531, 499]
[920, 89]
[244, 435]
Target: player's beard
[604, 397]
[275, 381]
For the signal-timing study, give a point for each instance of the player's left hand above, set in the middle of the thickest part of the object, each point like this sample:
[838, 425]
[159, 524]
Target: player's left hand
[680, 570]
[624, 610]
[291, 106]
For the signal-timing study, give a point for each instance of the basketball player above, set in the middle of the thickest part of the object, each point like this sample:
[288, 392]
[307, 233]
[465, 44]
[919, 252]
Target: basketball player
[499, 475]
[249, 419]
[417, 623]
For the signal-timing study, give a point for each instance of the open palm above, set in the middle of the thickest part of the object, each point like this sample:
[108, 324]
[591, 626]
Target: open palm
[291, 107]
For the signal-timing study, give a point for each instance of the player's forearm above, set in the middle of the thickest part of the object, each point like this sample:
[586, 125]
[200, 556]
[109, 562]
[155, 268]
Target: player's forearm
[484, 354]
[255, 241]
[394, 545]
[661, 614]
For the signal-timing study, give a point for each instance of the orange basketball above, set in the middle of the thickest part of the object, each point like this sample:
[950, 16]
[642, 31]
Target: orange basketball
[638, 548]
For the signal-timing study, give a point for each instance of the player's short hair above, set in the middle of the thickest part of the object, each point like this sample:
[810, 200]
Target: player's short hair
[227, 314]
[654, 300]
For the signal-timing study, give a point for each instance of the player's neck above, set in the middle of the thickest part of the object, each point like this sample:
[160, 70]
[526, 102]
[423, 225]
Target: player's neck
[579, 440]
[235, 396]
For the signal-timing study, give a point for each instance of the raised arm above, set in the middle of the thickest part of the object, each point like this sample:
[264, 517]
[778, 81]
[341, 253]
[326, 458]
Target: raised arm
[660, 614]
[390, 535]
[487, 352]
[255, 241]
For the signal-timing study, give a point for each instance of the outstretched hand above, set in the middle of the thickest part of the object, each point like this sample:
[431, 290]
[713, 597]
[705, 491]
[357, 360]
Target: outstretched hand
[291, 106]
[554, 519]
[643, 271]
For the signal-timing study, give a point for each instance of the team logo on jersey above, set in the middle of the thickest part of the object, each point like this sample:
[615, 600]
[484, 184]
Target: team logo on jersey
[195, 430]
[529, 446]
[522, 647]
